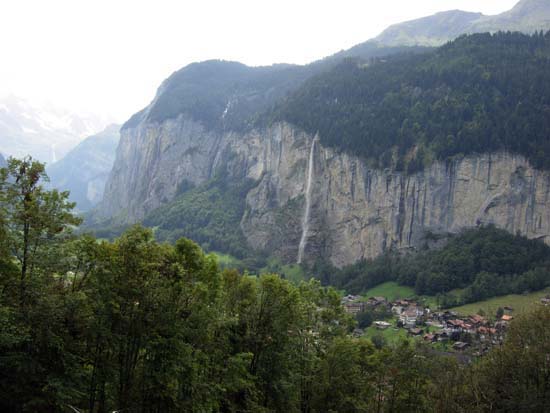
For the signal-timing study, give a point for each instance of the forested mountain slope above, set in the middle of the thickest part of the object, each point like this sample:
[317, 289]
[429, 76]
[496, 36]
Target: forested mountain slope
[480, 93]
[361, 159]
[225, 95]
[482, 262]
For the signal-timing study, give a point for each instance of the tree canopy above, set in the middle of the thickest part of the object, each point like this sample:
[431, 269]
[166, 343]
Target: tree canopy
[141, 326]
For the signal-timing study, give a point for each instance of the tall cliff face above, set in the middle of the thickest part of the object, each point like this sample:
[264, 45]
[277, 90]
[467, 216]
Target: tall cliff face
[331, 201]
[84, 170]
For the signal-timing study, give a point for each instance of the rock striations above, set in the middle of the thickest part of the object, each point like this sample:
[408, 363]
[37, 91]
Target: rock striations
[308, 201]
[346, 210]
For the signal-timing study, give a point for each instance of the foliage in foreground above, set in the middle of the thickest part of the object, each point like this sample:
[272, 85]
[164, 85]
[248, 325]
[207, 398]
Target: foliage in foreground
[139, 326]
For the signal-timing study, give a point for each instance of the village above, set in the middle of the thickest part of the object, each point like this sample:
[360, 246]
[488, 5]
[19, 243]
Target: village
[446, 330]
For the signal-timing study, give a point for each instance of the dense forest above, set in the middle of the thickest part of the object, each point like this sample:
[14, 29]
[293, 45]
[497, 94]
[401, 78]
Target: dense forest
[225, 95]
[140, 326]
[210, 214]
[482, 262]
[479, 93]
[397, 107]
[221, 94]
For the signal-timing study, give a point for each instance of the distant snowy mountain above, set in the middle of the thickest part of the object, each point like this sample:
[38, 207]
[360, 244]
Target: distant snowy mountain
[43, 131]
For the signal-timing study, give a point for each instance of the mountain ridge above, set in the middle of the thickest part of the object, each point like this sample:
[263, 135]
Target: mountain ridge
[168, 172]
[222, 119]
[85, 169]
[526, 16]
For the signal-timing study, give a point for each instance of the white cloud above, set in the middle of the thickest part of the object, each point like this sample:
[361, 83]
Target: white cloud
[109, 56]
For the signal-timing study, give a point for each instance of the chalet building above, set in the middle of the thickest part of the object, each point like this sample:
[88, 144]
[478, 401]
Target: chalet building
[410, 316]
[455, 326]
[416, 332]
[354, 307]
[487, 333]
[460, 346]
[382, 325]
[477, 320]
[430, 338]
[397, 309]
[441, 336]
[350, 298]
[376, 301]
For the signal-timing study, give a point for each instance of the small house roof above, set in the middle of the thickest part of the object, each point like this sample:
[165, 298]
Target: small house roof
[476, 318]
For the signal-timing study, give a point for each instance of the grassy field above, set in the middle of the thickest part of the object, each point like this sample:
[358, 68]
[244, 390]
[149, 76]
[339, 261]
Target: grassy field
[292, 272]
[226, 260]
[520, 303]
[390, 290]
[392, 336]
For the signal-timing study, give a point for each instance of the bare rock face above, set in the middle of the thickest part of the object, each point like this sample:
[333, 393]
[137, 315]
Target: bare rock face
[355, 212]
[151, 163]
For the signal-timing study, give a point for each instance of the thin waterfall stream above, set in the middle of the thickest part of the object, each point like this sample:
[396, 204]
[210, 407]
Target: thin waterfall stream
[305, 219]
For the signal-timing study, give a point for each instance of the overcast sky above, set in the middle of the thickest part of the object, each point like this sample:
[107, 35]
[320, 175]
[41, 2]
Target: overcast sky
[109, 56]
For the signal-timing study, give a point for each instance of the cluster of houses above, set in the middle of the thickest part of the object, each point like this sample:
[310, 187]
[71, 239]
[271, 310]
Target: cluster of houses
[463, 332]
[445, 326]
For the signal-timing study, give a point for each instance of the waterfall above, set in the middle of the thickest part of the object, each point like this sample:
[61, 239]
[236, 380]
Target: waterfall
[305, 219]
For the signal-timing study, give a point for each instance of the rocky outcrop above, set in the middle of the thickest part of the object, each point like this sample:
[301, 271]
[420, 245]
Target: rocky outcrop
[354, 211]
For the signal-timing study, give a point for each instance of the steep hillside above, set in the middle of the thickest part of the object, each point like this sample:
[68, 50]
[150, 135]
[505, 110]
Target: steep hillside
[431, 30]
[85, 169]
[481, 93]
[365, 158]
[231, 96]
[221, 94]
[481, 263]
[528, 16]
